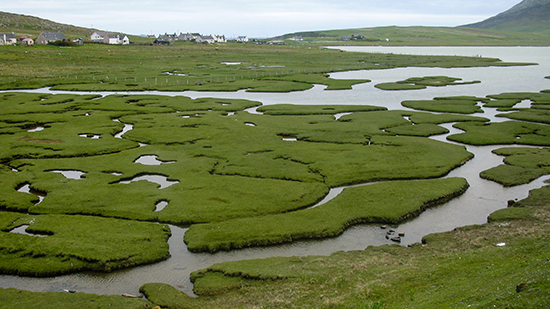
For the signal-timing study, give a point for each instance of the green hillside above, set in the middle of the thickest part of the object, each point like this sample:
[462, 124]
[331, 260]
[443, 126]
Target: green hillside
[33, 26]
[527, 16]
[422, 36]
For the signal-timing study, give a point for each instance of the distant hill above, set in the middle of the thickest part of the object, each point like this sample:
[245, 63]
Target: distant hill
[30, 25]
[420, 36]
[527, 16]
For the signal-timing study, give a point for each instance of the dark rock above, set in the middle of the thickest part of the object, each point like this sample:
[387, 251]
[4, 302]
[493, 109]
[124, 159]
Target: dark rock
[396, 239]
[521, 287]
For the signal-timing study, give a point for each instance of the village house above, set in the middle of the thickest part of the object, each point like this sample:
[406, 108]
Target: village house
[219, 38]
[46, 37]
[27, 42]
[99, 36]
[205, 39]
[243, 39]
[8, 39]
[168, 37]
[110, 38]
[296, 38]
[116, 39]
[188, 36]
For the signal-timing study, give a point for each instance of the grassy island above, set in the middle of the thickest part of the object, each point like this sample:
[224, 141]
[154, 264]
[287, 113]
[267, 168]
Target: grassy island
[414, 83]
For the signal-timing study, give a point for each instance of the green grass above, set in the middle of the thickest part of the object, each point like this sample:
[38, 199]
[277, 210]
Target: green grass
[422, 36]
[459, 268]
[387, 202]
[234, 167]
[332, 84]
[141, 67]
[438, 273]
[532, 115]
[414, 83]
[289, 109]
[446, 105]
[505, 133]
[12, 298]
[75, 243]
[522, 165]
[225, 168]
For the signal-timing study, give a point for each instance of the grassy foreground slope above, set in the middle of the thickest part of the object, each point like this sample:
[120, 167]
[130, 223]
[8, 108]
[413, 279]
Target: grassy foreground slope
[500, 264]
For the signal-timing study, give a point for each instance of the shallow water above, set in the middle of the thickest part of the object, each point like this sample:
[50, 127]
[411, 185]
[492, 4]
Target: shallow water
[482, 198]
[70, 174]
[151, 160]
[160, 180]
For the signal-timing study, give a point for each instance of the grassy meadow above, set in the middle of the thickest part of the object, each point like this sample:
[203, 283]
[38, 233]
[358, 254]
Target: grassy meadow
[238, 179]
[187, 66]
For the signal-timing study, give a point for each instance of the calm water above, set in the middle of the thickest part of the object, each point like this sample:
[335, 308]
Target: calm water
[473, 207]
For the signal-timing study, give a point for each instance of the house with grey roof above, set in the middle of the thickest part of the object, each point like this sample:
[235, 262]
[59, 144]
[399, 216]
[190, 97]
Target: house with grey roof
[109, 38]
[46, 37]
[188, 36]
[8, 39]
[206, 39]
[99, 36]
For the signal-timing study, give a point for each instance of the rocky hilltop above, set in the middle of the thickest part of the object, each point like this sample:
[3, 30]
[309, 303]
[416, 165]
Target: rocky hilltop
[526, 16]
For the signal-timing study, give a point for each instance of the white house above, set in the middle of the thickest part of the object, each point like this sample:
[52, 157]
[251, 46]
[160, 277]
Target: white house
[219, 38]
[116, 39]
[110, 38]
[243, 39]
[27, 42]
[8, 39]
[99, 36]
[206, 39]
[123, 39]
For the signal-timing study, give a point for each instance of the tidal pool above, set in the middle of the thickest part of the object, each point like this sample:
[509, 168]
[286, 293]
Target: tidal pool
[26, 188]
[23, 231]
[151, 160]
[482, 198]
[36, 129]
[160, 180]
[127, 127]
[70, 174]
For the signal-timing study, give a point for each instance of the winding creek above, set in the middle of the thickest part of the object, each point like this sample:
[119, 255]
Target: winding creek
[482, 198]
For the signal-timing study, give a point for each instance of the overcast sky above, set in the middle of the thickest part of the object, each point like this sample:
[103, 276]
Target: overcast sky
[255, 18]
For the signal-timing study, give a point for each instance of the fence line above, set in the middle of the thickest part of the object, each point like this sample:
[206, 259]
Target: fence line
[173, 80]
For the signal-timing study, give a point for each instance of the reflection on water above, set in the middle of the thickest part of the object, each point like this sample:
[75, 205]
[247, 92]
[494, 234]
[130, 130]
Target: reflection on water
[482, 198]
